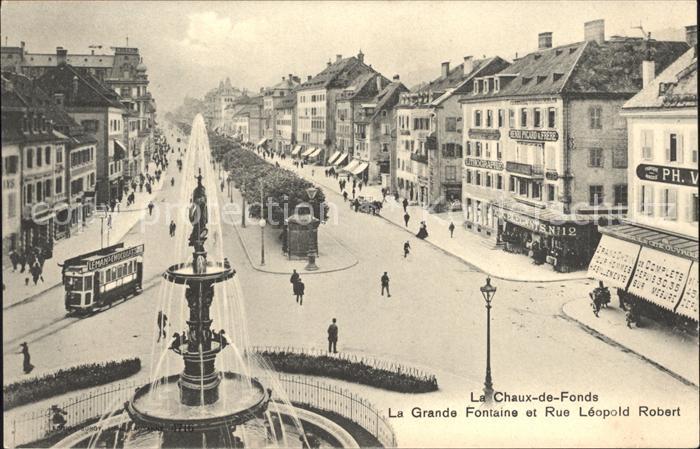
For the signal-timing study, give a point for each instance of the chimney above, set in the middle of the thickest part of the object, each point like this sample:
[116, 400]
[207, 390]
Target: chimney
[75, 86]
[594, 31]
[445, 69]
[691, 35]
[338, 57]
[544, 40]
[396, 78]
[61, 55]
[283, 78]
[468, 65]
[308, 77]
[92, 52]
[290, 77]
[648, 72]
[379, 83]
[328, 64]
[361, 56]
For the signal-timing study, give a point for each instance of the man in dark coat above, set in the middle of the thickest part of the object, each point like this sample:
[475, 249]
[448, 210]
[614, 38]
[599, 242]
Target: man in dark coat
[162, 324]
[332, 337]
[295, 277]
[385, 284]
[452, 229]
[299, 291]
[406, 249]
[406, 217]
[405, 204]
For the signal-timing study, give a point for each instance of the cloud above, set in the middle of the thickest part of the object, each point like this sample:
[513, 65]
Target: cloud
[209, 32]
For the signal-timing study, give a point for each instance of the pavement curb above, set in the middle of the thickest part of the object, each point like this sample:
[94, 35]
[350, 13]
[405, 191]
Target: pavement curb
[612, 342]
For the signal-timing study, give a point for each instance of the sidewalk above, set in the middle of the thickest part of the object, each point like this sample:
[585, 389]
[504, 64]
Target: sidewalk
[670, 351]
[81, 241]
[333, 256]
[472, 249]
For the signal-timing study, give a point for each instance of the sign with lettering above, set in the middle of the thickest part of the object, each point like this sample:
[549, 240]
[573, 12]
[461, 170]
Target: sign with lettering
[668, 175]
[484, 134]
[613, 261]
[114, 258]
[533, 135]
[551, 175]
[688, 306]
[536, 225]
[483, 163]
[660, 277]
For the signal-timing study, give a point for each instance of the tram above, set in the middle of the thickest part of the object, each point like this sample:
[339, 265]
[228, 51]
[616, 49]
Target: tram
[98, 278]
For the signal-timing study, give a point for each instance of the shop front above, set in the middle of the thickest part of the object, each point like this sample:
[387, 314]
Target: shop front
[38, 228]
[564, 241]
[649, 265]
[62, 221]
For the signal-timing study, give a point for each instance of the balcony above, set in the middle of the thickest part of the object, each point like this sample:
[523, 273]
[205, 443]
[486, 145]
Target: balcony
[528, 170]
[422, 158]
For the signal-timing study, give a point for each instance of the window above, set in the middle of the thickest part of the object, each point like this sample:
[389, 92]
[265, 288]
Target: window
[39, 159]
[59, 155]
[451, 124]
[511, 184]
[523, 117]
[550, 157]
[501, 117]
[487, 150]
[537, 190]
[595, 195]
[537, 118]
[489, 118]
[477, 118]
[694, 147]
[551, 118]
[511, 118]
[469, 148]
[499, 182]
[595, 157]
[469, 177]
[595, 114]
[450, 173]
[694, 208]
[47, 155]
[478, 149]
[30, 157]
[674, 147]
[488, 179]
[28, 194]
[619, 158]
[522, 187]
[11, 205]
[647, 144]
[499, 154]
[477, 179]
[10, 164]
[59, 185]
[669, 203]
[47, 188]
[621, 195]
[646, 199]
[550, 192]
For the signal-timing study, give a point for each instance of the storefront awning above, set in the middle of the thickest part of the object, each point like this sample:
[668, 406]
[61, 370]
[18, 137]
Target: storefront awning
[614, 261]
[360, 168]
[296, 150]
[308, 151]
[342, 158]
[333, 157]
[316, 152]
[660, 277]
[654, 238]
[119, 150]
[688, 305]
[262, 141]
[351, 166]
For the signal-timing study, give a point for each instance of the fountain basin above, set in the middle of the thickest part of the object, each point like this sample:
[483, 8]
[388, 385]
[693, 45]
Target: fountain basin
[241, 399]
[184, 273]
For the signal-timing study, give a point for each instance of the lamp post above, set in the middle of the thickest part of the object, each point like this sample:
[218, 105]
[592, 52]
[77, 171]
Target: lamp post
[262, 224]
[243, 192]
[488, 291]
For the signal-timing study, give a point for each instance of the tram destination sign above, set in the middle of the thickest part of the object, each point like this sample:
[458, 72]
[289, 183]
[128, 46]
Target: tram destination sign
[114, 258]
[668, 175]
[533, 135]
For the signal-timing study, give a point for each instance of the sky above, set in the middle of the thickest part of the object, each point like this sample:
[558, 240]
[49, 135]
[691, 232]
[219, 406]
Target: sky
[190, 46]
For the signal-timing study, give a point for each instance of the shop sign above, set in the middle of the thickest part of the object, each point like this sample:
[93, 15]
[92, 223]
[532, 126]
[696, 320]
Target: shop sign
[533, 135]
[660, 277]
[114, 258]
[484, 134]
[613, 261]
[536, 225]
[483, 163]
[688, 306]
[668, 175]
[551, 175]
[668, 247]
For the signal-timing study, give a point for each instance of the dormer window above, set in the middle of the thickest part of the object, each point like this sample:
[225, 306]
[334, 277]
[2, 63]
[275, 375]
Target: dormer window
[476, 87]
[486, 86]
[497, 84]
[537, 56]
[557, 76]
[572, 50]
[526, 80]
[558, 52]
[541, 78]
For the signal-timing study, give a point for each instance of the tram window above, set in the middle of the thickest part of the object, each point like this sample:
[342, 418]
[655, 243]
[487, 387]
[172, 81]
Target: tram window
[119, 271]
[124, 269]
[88, 298]
[88, 283]
[131, 267]
[77, 283]
[109, 275]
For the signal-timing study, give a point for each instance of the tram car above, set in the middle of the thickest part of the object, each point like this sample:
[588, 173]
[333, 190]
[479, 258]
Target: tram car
[99, 278]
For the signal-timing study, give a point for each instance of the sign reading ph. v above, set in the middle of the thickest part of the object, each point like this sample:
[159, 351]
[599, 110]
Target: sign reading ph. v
[668, 175]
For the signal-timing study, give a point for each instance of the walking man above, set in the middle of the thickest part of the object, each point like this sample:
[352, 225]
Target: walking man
[405, 204]
[172, 228]
[385, 284]
[299, 291]
[150, 207]
[406, 249]
[333, 337]
[345, 196]
[295, 277]
[14, 259]
[162, 324]
[406, 217]
[452, 229]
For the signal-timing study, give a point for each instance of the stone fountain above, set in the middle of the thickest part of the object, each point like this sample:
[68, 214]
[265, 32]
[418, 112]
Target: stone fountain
[186, 407]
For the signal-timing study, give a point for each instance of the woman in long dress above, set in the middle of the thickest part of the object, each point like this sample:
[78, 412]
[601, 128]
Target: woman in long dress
[423, 231]
[27, 365]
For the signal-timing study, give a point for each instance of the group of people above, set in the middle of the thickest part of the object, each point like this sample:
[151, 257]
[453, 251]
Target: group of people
[600, 299]
[32, 258]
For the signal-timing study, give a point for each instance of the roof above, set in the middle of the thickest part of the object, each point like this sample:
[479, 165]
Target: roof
[90, 91]
[288, 101]
[340, 74]
[49, 60]
[454, 78]
[388, 97]
[679, 82]
[613, 67]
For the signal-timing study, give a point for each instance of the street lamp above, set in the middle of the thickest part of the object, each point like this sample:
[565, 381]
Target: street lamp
[262, 224]
[488, 291]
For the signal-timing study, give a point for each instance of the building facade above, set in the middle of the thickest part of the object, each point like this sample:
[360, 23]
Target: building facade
[272, 98]
[285, 124]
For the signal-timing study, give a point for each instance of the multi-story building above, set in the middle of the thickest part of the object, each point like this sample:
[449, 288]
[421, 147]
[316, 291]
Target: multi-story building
[216, 102]
[285, 124]
[272, 97]
[316, 103]
[653, 255]
[545, 146]
[12, 139]
[98, 110]
[375, 135]
[429, 141]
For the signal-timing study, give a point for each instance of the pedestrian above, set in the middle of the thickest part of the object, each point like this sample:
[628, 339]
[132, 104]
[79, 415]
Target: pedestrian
[345, 196]
[58, 421]
[385, 284]
[172, 228]
[150, 208]
[162, 322]
[406, 249]
[359, 186]
[222, 186]
[405, 204]
[333, 337]
[423, 231]
[22, 259]
[34, 270]
[356, 205]
[172, 181]
[14, 259]
[353, 192]
[26, 364]
[621, 298]
[452, 229]
[295, 277]
[299, 291]
[406, 217]
[313, 172]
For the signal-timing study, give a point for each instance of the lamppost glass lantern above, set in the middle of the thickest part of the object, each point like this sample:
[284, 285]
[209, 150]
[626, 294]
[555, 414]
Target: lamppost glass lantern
[488, 291]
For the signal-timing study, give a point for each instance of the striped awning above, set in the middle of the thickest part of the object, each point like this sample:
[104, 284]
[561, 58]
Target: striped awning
[316, 152]
[342, 158]
[352, 165]
[262, 141]
[333, 157]
[660, 277]
[308, 151]
[296, 150]
[688, 306]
